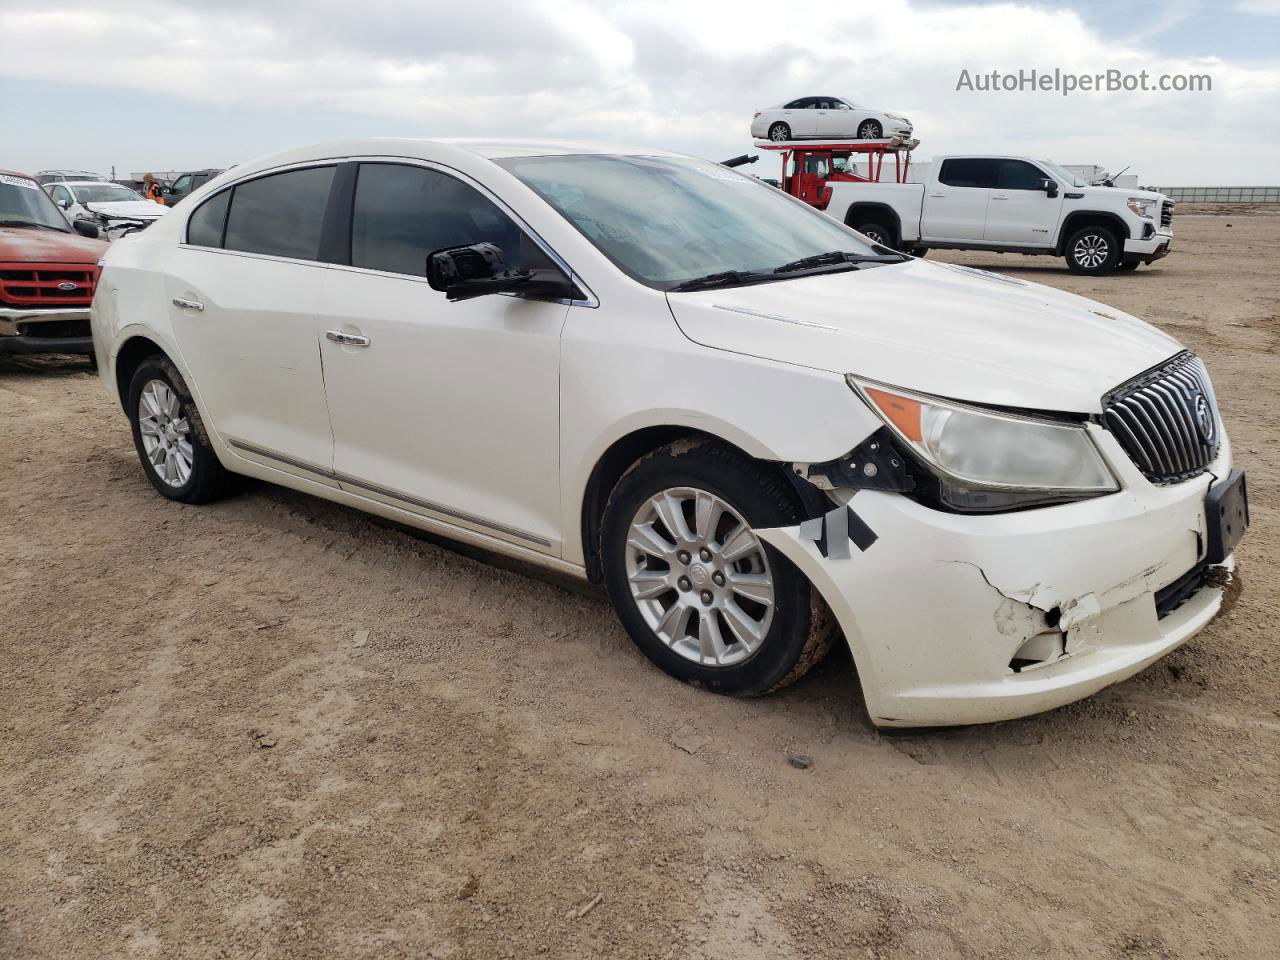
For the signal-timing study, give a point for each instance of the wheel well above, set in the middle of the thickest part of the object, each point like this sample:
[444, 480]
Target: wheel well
[862, 212]
[1084, 218]
[129, 359]
[625, 452]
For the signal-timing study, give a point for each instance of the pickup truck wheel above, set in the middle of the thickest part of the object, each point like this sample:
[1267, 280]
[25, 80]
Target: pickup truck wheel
[699, 593]
[876, 232]
[1093, 251]
[870, 130]
[169, 436]
[779, 132]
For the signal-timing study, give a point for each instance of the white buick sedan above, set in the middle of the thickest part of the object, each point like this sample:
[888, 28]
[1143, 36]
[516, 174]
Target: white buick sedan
[756, 428]
[831, 118]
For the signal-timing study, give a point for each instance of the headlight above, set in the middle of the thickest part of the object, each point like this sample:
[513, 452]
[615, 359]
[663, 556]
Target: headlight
[975, 452]
[1141, 207]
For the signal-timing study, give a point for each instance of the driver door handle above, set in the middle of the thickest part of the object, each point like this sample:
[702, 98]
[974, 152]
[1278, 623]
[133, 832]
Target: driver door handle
[346, 339]
[186, 304]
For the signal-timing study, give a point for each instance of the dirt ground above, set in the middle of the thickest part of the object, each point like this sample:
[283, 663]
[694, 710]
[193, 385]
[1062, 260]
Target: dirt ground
[274, 727]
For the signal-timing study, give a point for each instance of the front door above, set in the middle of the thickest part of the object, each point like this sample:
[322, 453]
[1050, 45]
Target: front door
[446, 410]
[242, 295]
[1021, 213]
[955, 202]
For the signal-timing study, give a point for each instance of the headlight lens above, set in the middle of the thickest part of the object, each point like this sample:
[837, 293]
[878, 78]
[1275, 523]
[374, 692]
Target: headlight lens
[1141, 207]
[980, 449]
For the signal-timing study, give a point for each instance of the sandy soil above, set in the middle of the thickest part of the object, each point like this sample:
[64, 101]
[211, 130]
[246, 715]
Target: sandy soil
[275, 728]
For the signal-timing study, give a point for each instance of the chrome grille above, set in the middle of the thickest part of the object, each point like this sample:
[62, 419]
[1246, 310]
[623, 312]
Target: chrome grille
[1166, 420]
[1166, 213]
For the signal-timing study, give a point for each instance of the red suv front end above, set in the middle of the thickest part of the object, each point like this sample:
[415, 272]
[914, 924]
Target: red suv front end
[47, 273]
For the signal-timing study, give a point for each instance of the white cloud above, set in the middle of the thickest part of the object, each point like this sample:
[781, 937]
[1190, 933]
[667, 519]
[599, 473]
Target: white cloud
[1264, 8]
[682, 74]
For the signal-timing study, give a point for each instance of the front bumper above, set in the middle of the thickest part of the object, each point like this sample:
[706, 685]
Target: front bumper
[28, 330]
[937, 607]
[1152, 248]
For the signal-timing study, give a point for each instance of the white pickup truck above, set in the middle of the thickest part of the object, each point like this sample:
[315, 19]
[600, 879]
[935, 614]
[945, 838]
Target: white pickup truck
[1003, 204]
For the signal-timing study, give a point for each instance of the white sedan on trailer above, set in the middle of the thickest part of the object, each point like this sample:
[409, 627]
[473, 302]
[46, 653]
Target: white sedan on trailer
[811, 118]
[650, 371]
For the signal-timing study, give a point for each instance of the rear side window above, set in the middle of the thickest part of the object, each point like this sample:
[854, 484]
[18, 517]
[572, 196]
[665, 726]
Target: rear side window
[281, 214]
[967, 172]
[403, 213]
[204, 229]
[1019, 175]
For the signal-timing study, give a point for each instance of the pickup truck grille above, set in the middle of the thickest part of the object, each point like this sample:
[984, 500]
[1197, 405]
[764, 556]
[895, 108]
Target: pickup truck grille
[1166, 420]
[46, 284]
[1166, 213]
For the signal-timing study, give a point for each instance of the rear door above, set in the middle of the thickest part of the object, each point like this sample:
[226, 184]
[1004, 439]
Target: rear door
[801, 116]
[1021, 213]
[446, 410]
[955, 202]
[242, 292]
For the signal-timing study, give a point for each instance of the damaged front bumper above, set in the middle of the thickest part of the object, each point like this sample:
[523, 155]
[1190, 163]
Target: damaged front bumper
[956, 619]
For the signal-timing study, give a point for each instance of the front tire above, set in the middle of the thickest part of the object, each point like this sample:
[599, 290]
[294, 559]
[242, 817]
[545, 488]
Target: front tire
[870, 130]
[698, 592]
[779, 132]
[1093, 251]
[170, 437]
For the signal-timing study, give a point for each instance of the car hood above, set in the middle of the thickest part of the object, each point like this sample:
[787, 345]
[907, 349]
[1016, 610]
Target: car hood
[133, 209]
[38, 245]
[936, 328]
[1121, 193]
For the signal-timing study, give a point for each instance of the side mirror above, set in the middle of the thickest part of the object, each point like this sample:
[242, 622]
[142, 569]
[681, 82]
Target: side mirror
[86, 229]
[479, 269]
[1050, 187]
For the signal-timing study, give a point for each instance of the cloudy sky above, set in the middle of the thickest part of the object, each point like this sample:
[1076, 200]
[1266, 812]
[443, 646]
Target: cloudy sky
[171, 84]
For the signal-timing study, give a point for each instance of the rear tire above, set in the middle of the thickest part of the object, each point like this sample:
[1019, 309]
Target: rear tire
[779, 132]
[877, 232]
[1093, 251]
[170, 437]
[703, 598]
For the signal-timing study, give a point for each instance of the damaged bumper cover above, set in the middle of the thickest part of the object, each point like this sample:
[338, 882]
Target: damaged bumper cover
[956, 619]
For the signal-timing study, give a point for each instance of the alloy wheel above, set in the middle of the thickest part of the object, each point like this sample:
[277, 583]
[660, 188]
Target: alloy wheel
[699, 577]
[166, 433]
[1091, 251]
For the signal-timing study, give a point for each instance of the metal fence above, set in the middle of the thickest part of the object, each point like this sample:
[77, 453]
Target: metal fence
[1221, 194]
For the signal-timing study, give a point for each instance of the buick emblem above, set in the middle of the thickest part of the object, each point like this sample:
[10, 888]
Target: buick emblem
[66, 285]
[1204, 418]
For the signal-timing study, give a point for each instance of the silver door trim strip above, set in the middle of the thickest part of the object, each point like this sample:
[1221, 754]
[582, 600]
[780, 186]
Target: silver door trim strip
[387, 492]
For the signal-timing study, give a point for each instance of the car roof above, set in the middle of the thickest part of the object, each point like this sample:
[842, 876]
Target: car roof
[462, 152]
[86, 183]
[15, 173]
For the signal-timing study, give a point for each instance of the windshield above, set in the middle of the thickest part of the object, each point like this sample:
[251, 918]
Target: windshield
[1063, 174]
[23, 202]
[103, 193]
[668, 220]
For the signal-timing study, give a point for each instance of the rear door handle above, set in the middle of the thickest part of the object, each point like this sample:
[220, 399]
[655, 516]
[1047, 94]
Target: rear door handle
[346, 339]
[938, 196]
[186, 304]
[999, 196]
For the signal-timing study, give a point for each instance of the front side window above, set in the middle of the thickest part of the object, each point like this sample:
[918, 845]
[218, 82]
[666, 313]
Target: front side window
[281, 214]
[182, 183]
[1019, 175]
[59, 195]
[404, 213]
[666, 220]
[967, 172]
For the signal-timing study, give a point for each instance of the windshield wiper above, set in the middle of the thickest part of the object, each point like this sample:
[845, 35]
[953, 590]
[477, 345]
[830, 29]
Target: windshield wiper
[836, 258]
[28, 223]
[723, 279]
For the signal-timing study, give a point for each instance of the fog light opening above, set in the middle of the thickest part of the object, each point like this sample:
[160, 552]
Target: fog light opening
[1041, 649]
